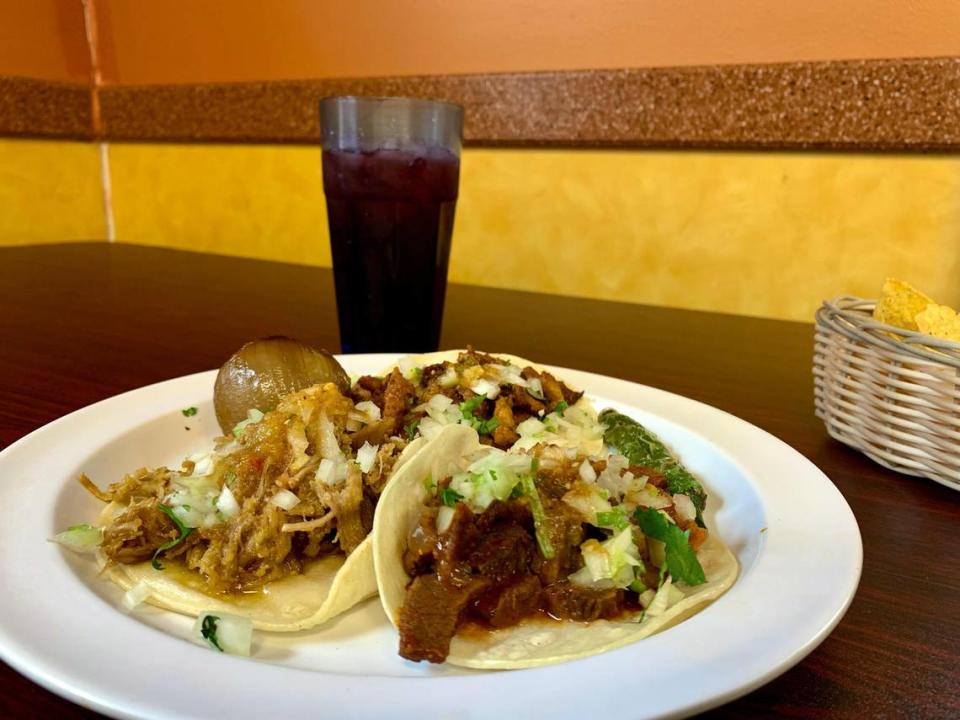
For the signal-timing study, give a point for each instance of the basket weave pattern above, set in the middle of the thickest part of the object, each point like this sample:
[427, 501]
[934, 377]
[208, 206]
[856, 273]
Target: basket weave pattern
[892, 394]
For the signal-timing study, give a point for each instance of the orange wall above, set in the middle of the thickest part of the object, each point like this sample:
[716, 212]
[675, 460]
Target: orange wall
[44, 39]
[171, 41]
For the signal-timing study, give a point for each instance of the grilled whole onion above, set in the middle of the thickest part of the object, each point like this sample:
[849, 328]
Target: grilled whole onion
[263, 371]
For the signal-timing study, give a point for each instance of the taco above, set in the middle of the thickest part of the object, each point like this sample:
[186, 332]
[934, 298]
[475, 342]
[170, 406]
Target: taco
[512, 403]
[272, 524]
[496, 560]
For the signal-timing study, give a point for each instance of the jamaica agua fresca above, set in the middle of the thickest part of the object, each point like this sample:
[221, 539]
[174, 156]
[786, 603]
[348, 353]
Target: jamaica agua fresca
[391, 218]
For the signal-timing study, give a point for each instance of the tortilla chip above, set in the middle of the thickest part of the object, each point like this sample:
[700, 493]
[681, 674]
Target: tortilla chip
[899, 304]
[939, 321]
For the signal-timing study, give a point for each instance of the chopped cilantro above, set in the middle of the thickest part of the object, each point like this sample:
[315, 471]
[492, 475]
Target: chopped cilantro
[637, 586]
[208, 629]
[411, 430]
[449, 496]
[486, 427]
[428, 484]
[469, 407]
[184, 532]
[561, 406]
[189, 412]
[681, 560]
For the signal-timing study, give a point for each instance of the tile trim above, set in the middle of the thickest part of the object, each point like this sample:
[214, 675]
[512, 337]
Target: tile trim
[887, 105]
[910, 105]
[44, 109]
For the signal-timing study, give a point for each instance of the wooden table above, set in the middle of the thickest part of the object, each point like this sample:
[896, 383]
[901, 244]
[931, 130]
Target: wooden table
[79, 323]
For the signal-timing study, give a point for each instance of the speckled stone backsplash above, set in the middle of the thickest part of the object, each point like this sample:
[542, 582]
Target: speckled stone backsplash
[39, 108]
[861, 105]
[897, 105]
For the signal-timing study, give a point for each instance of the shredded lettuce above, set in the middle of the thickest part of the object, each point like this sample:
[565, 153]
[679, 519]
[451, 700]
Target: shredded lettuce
[615, 519]
[80, 538]
[540, 520]
[610, 563]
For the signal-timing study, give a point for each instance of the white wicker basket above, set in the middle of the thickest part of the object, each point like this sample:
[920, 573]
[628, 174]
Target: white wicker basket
[892, 394]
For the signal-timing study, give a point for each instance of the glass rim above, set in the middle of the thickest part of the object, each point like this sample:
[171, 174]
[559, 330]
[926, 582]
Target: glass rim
[331, 99]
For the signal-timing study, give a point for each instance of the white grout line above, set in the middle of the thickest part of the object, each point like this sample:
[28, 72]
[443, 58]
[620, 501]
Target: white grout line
[90, 26]
[107, 192]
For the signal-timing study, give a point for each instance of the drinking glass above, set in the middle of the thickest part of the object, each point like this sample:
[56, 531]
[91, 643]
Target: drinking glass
[391, 168]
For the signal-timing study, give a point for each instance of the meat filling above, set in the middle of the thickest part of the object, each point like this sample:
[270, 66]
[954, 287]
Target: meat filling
[402, 400]
[487, 569]
[259, 542]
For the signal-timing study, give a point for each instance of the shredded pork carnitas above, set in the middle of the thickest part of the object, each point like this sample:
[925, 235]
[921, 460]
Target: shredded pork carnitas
[242, 545]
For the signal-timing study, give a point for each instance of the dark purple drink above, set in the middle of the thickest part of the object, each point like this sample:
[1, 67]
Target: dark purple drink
[391, 218]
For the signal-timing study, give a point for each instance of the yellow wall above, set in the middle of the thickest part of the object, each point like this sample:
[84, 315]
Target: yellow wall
[50, 192]
[768, 234]
[765, 234]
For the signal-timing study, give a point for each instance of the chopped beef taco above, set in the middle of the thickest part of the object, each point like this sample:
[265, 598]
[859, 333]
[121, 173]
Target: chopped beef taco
[509, 401]
[272, 524]
[489, 559]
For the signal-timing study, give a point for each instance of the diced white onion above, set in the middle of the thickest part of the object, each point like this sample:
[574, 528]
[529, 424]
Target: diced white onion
[508, 374]
[488, 389]
[437, 404]
[227, 503]
[531, 427]
[587, 472]
[444, 518]
[535, 388]
[449, 378]
[329, 447]
[407, 367]
[366, 456]
[684, 507]
[233, 633]
[202, 463]
[285, 500]
[298, 442]
[135, 595]
[649, 496]
[332, 472]
[325, 471]
[369, 409]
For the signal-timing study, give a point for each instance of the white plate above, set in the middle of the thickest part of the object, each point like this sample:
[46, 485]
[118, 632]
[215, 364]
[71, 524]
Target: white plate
[794, 535]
